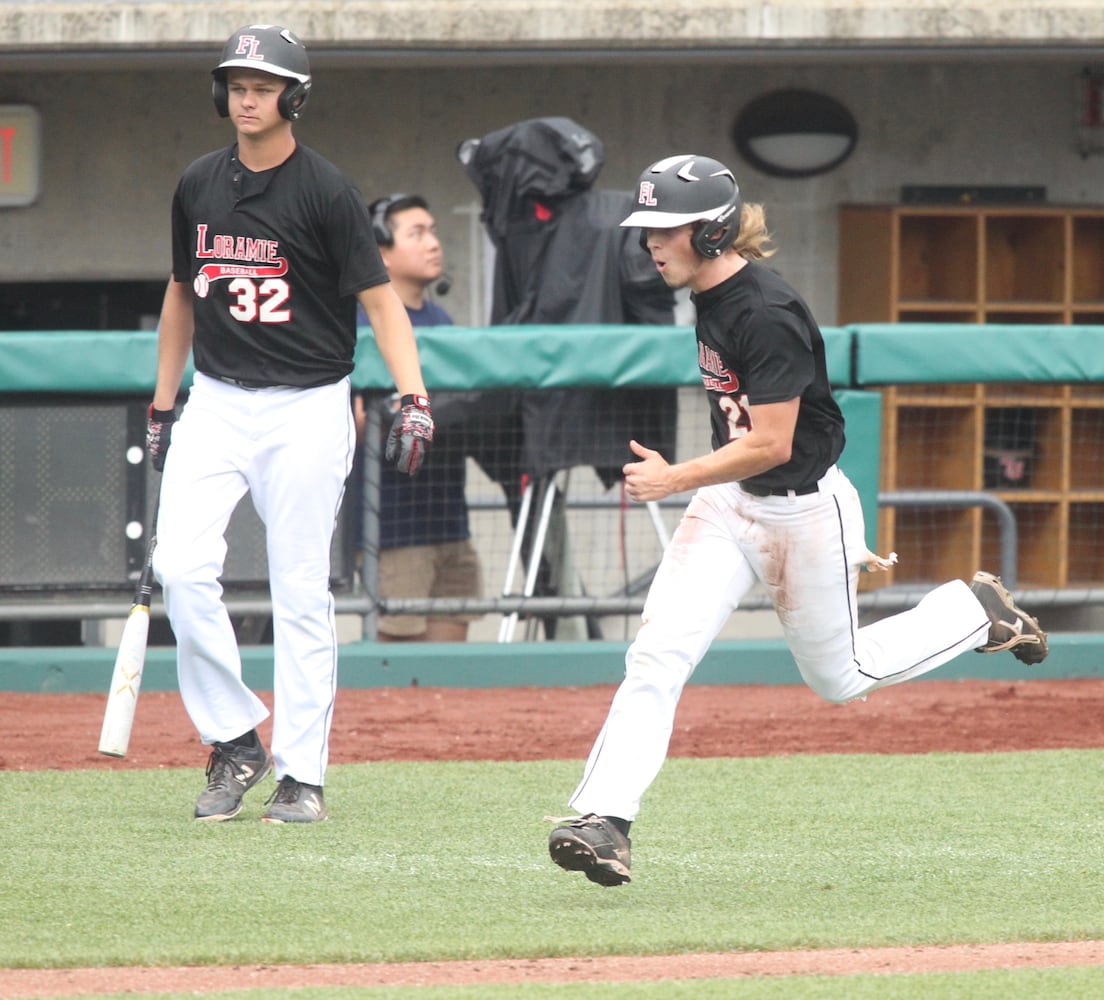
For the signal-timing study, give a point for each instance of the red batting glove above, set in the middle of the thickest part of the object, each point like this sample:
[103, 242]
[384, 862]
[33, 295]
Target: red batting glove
[159, 435]
[411, 434]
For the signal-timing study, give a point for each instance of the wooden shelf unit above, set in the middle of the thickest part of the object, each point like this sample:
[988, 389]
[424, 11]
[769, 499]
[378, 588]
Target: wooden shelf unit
[995, 265]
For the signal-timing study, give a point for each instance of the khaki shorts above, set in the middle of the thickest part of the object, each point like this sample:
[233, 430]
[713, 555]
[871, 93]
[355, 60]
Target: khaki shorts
[450, 569]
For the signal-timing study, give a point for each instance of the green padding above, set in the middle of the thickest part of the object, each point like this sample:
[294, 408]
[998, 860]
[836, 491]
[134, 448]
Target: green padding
[555, 357]
[79, 361]
[888, 354]
[125, 362]
[838, 354]
[485, 665]
[862, 454]
[519, 357]
[533, 357]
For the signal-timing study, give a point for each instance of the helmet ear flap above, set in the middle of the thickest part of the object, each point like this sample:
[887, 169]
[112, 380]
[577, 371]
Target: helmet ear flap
[708, 239]
[711, 238]
[220, 96]
[293, 100]
[290, 104]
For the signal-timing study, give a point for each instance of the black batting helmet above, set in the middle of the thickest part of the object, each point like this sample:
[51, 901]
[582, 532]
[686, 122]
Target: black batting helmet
[686, 189]
[270, 49]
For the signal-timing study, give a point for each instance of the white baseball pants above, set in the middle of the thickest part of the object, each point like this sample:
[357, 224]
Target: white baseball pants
[807, 552]
[292, 450]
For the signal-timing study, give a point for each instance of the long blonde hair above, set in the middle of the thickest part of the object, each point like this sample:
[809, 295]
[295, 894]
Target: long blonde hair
[752, 242]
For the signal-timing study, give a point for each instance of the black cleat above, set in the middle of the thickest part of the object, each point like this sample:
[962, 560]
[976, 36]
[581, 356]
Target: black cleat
[295, 802]
[1010, 627]
[592, 845]
[231, 772]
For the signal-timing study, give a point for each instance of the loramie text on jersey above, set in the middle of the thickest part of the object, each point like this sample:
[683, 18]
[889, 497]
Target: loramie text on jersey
[236, 247]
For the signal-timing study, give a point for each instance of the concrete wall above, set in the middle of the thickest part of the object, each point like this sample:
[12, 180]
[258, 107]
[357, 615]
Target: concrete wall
[114, 141]
[550, 24]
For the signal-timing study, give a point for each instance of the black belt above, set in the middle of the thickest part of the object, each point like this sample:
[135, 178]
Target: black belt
[779, 491]
[242, 383]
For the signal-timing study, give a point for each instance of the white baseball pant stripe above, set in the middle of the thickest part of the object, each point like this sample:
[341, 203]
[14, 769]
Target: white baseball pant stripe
[291, 449]
[806, 551]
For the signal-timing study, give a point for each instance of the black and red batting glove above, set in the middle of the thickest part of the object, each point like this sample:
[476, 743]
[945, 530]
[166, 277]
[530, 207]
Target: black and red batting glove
[411, 434]
[159, 435]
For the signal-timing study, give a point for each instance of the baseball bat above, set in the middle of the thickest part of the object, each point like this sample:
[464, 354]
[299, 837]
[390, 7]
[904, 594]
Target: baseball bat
[130, 660]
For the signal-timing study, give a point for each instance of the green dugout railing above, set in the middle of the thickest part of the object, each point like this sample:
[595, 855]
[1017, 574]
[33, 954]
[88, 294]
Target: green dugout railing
[527, 357]
[860, 359]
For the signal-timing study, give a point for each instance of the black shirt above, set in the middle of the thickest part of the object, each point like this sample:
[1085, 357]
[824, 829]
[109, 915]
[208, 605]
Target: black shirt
[758, 343]
[275, 259]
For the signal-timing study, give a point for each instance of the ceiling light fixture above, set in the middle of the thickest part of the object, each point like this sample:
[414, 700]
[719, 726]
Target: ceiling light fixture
[795, 133]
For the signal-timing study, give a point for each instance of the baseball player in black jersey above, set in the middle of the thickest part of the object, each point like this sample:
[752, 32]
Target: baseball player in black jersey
[272, 247]
[771, 508]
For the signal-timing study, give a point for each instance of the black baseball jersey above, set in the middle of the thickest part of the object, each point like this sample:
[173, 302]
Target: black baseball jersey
[758, 343]
[275, 259]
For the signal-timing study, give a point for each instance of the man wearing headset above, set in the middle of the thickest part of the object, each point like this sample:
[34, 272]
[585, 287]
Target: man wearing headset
[425, 540]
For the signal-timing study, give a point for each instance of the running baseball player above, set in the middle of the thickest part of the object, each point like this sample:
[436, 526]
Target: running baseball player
[771, 507]
[272, 247]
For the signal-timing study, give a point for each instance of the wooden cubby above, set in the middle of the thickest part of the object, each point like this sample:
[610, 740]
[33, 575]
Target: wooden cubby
[998, 265]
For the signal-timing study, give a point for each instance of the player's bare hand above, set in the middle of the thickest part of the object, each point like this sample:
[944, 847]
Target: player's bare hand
[647, 479]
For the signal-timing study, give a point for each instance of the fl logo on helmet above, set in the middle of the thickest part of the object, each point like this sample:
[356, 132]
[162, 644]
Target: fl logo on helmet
[249, 46]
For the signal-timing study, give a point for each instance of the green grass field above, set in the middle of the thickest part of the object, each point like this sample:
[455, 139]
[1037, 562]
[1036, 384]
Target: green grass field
[447, 860]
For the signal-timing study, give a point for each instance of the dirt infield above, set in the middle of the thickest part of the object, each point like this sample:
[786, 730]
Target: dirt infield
[41, 984]
[51, 731]
[43, 731]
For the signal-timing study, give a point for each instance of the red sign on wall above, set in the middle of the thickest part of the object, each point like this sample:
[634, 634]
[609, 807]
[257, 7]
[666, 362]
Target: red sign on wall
[20, 142]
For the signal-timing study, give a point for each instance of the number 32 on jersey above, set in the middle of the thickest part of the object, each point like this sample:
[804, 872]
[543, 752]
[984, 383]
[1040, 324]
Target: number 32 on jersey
[261, 301]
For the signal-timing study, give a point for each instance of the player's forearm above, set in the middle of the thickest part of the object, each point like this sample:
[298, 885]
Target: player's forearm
[174, 343]
[394, 337]
[736, 461]
[400, 354]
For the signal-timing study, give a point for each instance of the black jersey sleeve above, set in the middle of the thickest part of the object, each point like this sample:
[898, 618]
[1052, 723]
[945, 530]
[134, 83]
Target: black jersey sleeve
[181, 239]
[778, 354]
[352, 244]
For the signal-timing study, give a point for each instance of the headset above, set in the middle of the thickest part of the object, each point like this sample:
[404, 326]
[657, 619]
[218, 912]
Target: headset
[381, 208]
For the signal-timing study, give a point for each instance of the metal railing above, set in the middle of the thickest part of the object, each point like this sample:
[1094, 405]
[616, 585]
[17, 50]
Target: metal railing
[632, 601]
[62, 605]
[1006, 520]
